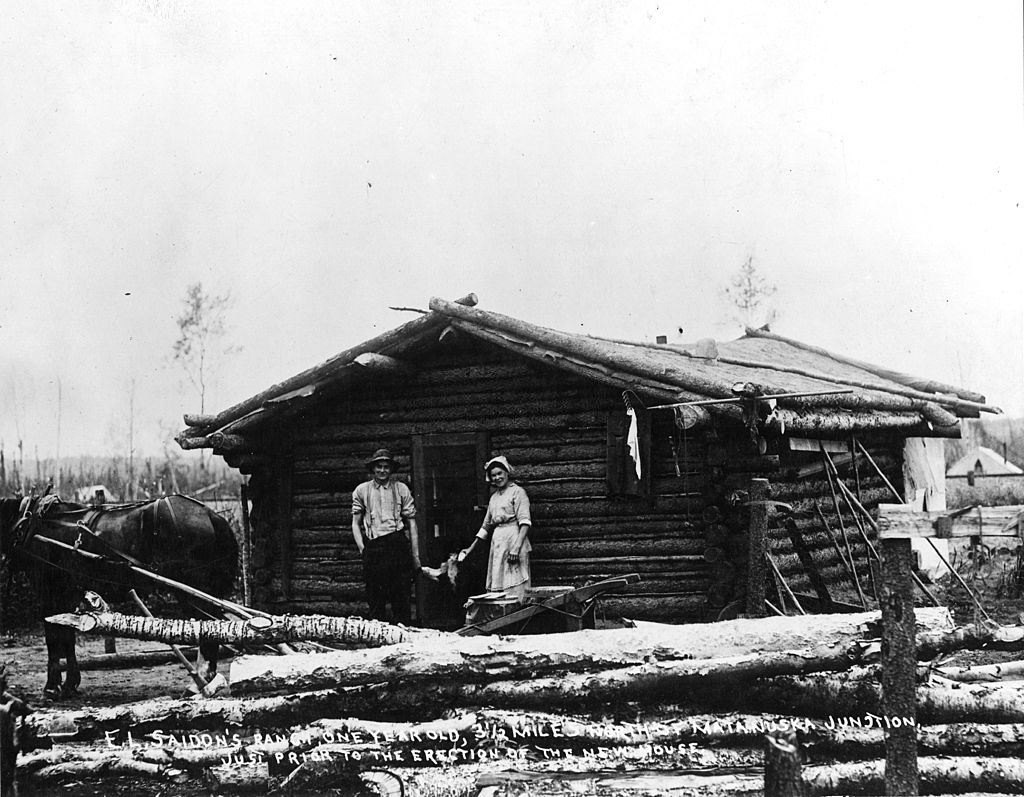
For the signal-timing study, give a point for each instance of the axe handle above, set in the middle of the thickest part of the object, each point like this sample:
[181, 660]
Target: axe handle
[192, 671]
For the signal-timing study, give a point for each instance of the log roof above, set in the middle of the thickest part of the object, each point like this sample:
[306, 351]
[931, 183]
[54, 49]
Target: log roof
[768, 364]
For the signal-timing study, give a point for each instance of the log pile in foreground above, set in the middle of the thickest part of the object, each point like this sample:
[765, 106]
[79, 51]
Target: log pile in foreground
[445, 714]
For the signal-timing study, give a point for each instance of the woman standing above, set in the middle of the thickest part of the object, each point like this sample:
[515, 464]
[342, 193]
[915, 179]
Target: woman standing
[507, 523]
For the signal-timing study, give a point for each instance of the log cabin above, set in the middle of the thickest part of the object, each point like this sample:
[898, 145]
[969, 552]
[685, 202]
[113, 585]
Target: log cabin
[761, 444]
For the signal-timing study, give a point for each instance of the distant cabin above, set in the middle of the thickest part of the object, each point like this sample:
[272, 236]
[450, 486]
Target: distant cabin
[982, 461]
[714, 421]
[95, 494]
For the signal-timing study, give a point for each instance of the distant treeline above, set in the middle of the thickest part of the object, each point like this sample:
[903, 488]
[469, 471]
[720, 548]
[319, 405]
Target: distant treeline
[121, 478]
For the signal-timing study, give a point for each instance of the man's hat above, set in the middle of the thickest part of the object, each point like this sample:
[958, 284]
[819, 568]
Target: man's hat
[380, 455]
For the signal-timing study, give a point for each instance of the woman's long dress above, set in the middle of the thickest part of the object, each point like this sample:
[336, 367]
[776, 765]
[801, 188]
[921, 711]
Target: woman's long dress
[507, 510]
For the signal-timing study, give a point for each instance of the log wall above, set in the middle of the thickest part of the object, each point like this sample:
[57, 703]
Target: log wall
[553, 427]
[799, 480]
[687, 540]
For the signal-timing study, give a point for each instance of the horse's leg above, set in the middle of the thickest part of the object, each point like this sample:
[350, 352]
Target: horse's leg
[53, 656]
[206, 661]
[74, 676]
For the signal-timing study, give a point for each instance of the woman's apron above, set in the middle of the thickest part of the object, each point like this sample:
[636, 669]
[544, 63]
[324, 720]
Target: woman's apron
[501, 575]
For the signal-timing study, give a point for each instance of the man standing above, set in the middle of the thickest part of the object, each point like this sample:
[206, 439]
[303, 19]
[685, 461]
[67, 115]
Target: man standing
[382, 508]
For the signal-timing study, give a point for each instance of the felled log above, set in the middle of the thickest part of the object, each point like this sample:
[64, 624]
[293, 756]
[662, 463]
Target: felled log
[938, 775]
[164, 714]
[982, 673]
[498, 766]
[480, 660]
[62, 764]
[241, 777]
[834, 696]
[978, 774]
[970, 637]
[255, 630]
[595, 780]
[194, 749]
[317, 775]
[124, 661]
[498, 658]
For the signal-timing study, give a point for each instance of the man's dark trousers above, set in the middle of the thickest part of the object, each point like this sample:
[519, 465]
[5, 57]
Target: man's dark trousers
[387, 571]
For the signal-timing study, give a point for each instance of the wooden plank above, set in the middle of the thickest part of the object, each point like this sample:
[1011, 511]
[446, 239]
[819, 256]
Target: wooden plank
[803, 444]
[900, 521]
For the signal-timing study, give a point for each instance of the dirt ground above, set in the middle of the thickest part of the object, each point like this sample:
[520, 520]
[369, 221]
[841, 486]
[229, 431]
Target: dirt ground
[24, 653]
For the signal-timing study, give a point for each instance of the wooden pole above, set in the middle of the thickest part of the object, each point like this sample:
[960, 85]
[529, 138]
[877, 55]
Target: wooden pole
[757, 549]
[863, 534]
[935, 548]
[899, 667]
[246, 547]
[842, 526]
[841, 555]
[228, 606]
[800, 546]
[785, 586]
[878, 470]
[871, 548]
[856, 470]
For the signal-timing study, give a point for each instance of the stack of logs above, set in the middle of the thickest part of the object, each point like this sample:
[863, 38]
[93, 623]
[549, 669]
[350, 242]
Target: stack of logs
[665, 709]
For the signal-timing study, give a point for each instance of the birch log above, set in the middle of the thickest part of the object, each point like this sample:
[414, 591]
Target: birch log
[974, 775]
[834, 640]
[1005, 671]
[596, 675]
[167, 714]
[255, 630]
[833, 696]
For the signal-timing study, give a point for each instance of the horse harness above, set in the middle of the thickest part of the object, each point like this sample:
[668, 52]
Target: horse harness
[34, 513]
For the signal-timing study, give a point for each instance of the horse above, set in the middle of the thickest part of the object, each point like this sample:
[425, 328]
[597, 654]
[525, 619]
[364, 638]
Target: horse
[174, 536]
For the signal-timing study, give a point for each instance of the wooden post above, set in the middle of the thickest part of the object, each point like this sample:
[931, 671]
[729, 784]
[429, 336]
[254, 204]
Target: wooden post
[782, 776]
[899, 668]
[246, 547]
[283, 521]
[758, 547]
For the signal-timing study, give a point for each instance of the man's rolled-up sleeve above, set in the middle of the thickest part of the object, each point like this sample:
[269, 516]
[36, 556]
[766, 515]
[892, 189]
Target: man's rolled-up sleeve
[408, 505]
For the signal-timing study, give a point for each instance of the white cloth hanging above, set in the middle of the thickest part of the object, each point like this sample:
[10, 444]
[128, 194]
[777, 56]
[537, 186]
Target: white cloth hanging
[633, 441]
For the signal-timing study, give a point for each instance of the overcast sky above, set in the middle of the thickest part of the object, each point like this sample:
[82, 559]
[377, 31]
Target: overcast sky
[600, 167]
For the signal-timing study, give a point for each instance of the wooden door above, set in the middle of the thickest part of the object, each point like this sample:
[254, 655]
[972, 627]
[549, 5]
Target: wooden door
[451, 497]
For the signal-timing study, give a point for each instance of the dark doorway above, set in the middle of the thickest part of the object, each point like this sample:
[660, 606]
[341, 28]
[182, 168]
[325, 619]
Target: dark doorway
[451, 497]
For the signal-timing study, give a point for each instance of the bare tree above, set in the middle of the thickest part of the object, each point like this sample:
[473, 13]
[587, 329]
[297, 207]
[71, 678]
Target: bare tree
[200, 345]
[748, 292]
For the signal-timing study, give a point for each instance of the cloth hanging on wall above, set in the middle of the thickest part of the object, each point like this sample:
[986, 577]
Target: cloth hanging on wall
[633, 441]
